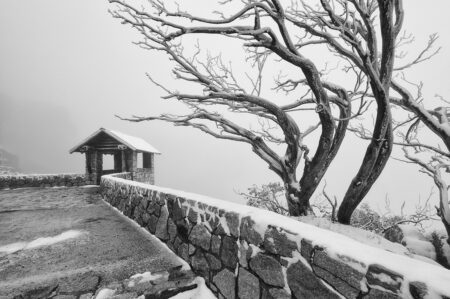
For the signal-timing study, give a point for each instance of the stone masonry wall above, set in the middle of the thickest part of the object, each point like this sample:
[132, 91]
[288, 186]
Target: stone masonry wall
[44, 180]
[144, 175]
[246, 253]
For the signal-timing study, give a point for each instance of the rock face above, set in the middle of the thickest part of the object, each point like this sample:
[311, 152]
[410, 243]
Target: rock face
[239, 258]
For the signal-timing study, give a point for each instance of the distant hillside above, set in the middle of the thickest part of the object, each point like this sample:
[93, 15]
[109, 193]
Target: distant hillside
[9, 164]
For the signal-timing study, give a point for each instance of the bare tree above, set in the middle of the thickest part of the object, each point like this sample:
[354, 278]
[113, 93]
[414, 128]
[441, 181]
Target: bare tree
[271, 197]
[429, 151]
[413, 125]
[433, 167]
[347, 29]
[268, 197]
[418, 146]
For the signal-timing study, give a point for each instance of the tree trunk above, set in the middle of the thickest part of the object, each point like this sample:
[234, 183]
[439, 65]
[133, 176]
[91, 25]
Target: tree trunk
[380, 147]
[316, 169]
[297, 205]
[375, 160]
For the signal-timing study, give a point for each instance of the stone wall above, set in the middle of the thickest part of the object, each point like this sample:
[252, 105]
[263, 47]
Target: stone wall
[44, 180]
[243, 252]
[144, 175]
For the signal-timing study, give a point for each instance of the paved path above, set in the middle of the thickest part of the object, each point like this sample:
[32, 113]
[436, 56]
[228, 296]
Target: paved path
[93, 246]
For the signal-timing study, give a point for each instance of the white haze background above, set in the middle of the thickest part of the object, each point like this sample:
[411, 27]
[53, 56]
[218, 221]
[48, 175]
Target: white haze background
[67, 67]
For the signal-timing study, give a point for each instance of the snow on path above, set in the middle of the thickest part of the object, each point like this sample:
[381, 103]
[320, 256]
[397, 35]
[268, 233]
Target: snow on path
[39, 242]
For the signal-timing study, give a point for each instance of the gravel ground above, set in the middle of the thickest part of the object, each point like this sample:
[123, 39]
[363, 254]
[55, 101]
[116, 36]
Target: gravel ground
[104, 247]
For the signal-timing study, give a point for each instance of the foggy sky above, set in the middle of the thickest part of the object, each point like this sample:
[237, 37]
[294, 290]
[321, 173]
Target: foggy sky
[67, 67]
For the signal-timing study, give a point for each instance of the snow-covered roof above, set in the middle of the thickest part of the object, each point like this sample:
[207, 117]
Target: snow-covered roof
[133, 143]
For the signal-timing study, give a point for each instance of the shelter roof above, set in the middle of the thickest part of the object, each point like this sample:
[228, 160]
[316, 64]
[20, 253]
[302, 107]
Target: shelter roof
[101, 136]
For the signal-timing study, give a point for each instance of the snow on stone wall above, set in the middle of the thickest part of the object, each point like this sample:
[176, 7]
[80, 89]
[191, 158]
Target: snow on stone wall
[244, 252]
[43, 180]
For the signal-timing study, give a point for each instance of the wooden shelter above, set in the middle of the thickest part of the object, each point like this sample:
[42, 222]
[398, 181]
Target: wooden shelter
[125, 150]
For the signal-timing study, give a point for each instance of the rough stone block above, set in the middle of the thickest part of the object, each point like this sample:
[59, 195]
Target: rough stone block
[232, 219]
[304, 284]
[243, 254]
[277, 242]
[214, 263]
[193, 215]
[192, 249]
[176, 244]
[200, 236]
[248, 232]
[172, 230]
[213, 223]
[154, 208]
[341, 276]
[162, 199]
[248, 285]
[183, 229]
[226, 283]
[183, 251]
[161, 227]
[418, 290]
[152, 223]
[306, 249]
[268, 269]
[145, 218]
[378, 275]
[220, 230]
[177, 211]
[379, 294]
[200, 264]
[275, 293]
[229, 252]
[215, 244]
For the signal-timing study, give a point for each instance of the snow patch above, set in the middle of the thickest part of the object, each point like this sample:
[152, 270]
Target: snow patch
[136, 142]
[143, 278]
[105, 294]
[88, 186]
[411, 232]
[201, 292]
[383, 277]
[255, 250]
[224, 224]
[420, 247]
[46, 241]
[425, 259]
